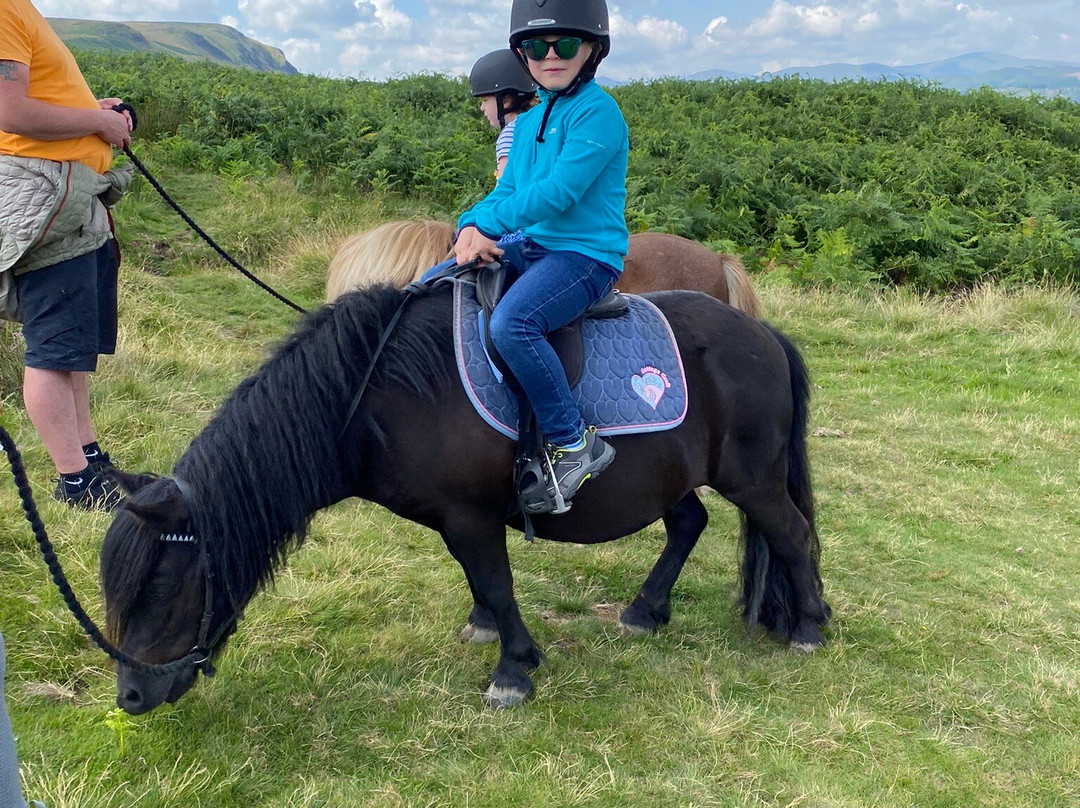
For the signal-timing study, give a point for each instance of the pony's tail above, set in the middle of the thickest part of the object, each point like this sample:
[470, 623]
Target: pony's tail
[768, 597]
[740, 293]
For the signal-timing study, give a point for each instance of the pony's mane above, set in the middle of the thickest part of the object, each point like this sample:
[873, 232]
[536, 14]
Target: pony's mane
[257, 471]
[396, 253]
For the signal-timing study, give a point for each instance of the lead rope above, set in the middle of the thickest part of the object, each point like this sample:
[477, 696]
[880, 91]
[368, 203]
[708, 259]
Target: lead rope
[202, 234]
[125, 107]
[196, 657]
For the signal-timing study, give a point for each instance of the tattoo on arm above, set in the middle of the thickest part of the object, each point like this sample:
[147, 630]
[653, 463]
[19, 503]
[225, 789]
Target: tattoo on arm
[8, 70]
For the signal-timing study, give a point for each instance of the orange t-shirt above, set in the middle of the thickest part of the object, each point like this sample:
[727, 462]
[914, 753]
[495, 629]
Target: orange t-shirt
[55, 78]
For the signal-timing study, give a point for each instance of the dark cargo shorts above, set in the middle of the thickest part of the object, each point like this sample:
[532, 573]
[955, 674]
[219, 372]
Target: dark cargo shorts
[68, 311]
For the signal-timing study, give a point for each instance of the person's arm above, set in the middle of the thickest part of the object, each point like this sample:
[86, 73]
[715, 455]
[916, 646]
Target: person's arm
[29, 117]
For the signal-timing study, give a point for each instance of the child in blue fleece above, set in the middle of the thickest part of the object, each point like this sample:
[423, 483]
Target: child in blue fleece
[565, 187]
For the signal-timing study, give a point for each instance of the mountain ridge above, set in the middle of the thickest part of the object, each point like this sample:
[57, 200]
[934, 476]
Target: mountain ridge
[968, 71]
[192, 41]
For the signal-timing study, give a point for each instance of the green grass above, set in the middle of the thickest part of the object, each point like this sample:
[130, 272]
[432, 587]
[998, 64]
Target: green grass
[944, 451]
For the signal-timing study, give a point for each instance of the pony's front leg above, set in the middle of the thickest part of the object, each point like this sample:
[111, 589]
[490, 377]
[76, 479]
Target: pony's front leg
[480, 547]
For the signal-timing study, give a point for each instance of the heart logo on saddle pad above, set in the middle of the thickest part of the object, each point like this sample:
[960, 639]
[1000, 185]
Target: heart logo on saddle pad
[650, 385]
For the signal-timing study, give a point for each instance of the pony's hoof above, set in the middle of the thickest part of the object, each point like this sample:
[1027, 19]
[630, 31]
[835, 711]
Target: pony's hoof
[634, 630]
[807, 638]
[640, 620]
[476, 635]
[503, 698]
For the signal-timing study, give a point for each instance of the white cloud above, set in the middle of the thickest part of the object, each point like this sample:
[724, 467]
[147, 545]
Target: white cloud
[868, 21]
[386, 16]
[714, 25]
[660, 34]
[302, 51]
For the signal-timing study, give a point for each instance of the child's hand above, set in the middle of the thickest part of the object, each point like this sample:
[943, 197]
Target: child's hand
[471, 244]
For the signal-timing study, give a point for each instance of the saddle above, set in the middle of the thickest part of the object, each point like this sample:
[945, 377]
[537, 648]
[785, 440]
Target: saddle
[532, 473]
[492, 280]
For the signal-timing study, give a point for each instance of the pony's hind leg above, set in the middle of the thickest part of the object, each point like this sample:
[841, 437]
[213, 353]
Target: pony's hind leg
[481, 627]
[780, 577]
[480, 548]
[652, 606]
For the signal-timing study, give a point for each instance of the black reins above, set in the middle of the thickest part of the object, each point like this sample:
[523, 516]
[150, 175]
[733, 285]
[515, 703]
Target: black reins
[198, 657]
[413, 290]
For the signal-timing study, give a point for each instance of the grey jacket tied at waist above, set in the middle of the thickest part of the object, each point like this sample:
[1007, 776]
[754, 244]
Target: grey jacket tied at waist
[51, 212]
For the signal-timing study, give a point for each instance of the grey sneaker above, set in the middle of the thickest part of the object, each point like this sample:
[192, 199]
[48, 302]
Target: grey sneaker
[572, 468]
[102, 493]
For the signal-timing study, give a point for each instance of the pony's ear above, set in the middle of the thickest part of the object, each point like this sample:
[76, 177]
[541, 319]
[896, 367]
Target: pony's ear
[132, 482]
[155, 499]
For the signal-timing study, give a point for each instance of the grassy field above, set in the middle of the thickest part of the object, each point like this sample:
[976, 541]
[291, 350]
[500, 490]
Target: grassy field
[944, 451]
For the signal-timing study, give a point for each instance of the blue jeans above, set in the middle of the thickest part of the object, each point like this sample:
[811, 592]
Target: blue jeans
[552, 290]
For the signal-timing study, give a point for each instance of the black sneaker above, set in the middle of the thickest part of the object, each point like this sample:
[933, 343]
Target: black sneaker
[572, 468]
[101, 493]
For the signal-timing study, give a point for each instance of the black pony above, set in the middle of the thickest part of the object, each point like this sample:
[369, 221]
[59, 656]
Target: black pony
[183, 556]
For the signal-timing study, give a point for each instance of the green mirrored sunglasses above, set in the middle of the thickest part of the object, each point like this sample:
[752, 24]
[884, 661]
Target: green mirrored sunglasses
[565, 48]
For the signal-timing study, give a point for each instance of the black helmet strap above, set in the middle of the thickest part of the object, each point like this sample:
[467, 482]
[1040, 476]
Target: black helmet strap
[499, 98]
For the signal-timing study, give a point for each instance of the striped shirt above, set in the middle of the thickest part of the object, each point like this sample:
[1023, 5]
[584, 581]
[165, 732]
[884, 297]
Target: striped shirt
[502, 144]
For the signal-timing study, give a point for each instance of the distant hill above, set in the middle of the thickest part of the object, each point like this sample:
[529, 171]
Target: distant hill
[1009, 74]
[192, 41]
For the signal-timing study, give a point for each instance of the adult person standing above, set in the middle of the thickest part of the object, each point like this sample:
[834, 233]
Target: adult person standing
[57, 251]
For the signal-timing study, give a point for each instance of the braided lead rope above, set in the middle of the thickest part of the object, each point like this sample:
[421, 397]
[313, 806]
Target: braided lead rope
[195, 657]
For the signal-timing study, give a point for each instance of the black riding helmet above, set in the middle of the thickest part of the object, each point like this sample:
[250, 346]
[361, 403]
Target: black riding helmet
[501, 74]
[587, 19]
[498, 72]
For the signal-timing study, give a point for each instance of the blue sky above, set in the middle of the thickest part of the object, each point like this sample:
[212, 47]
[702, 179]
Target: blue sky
[651, 38]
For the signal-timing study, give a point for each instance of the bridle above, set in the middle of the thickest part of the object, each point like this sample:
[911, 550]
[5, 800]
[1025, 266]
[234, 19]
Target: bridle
[199, 656]
[204, 648]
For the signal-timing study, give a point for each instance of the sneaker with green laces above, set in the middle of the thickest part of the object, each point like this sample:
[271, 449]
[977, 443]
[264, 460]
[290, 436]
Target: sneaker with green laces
[570, 468]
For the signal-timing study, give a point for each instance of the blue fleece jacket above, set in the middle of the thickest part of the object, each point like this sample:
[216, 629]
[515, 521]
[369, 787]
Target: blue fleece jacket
[569, 192]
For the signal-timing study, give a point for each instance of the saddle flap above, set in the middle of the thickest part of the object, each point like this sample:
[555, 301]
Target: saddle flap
[491, 285]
